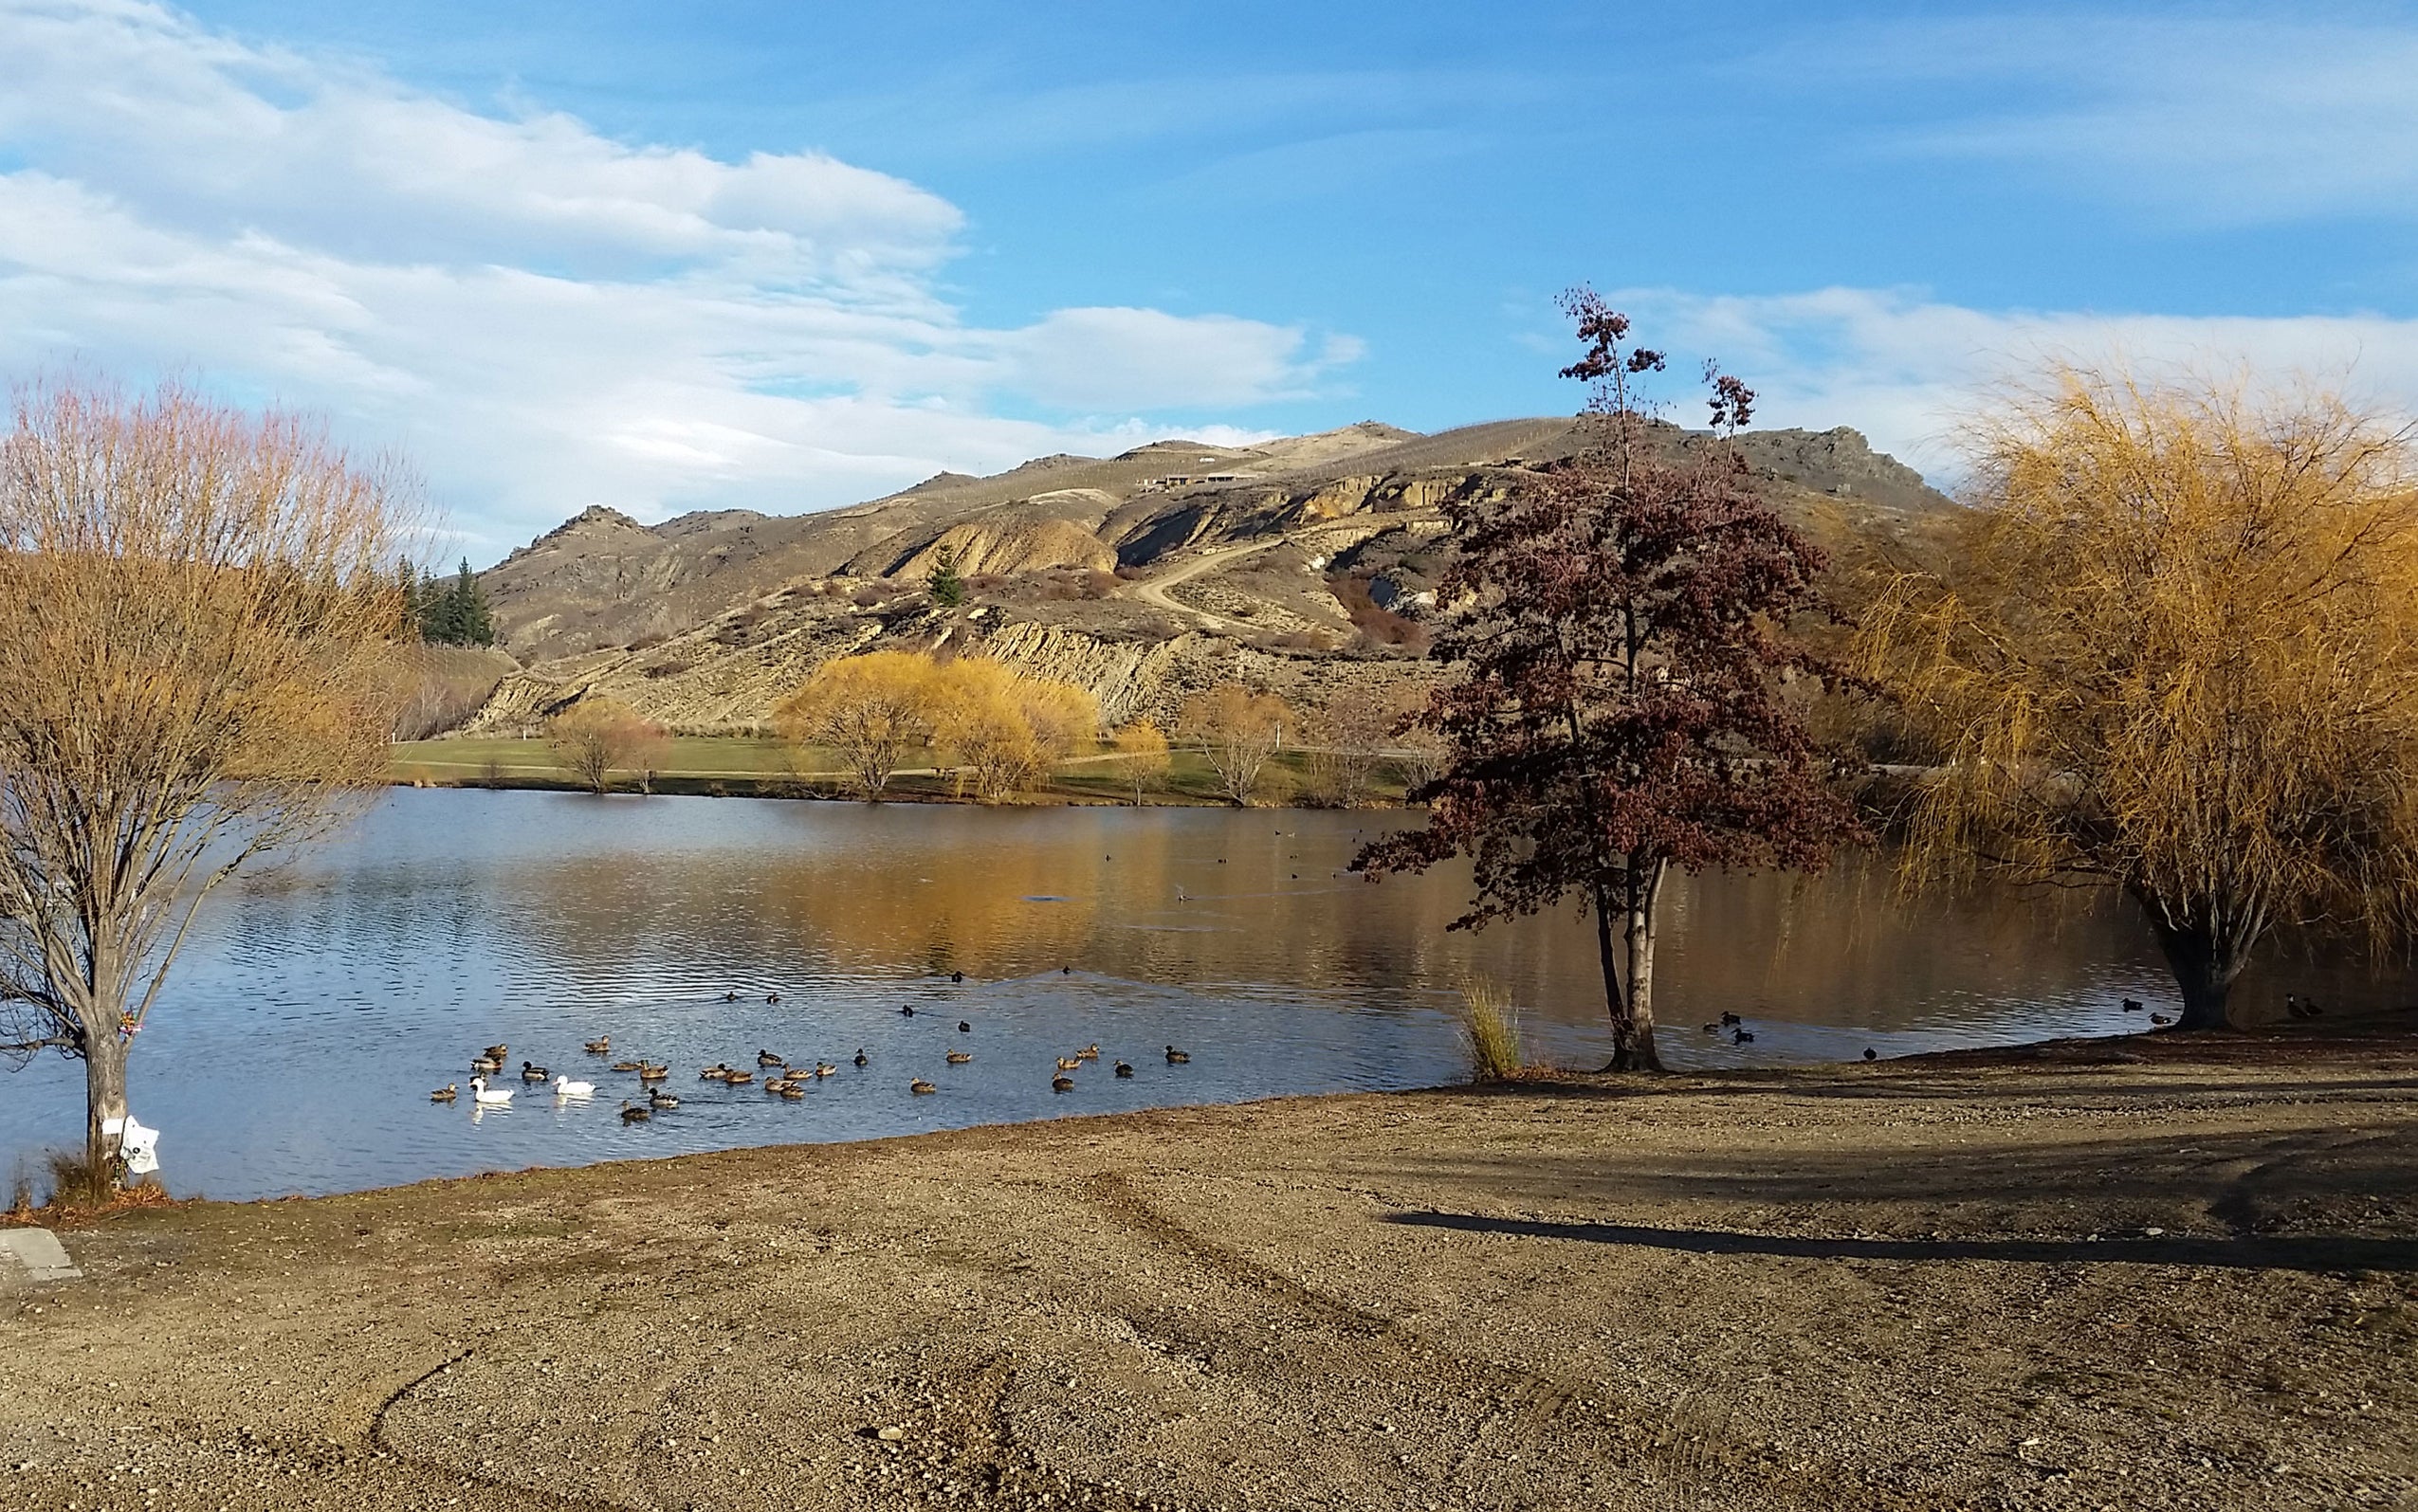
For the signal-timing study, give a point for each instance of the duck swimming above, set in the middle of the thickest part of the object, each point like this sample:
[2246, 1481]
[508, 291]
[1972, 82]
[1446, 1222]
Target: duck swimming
[630, 1114]
[768, 1058]
[625, 1065]
[793, 1091]
[714, 1072]
[534, 1073]
[824, 1068]
[919, 1086]
[652, 1070]
[963, 1028]
[445, 1094]
[906, 1009]
[599, 1047]
[486, 1063]
[1123, 1071]
[1177, 1057]
[959, 1057]
[1068, 1063]
[1062, 1084]
[737, 1078]
[861, 1058]
[658, 1098]
[564, 1086]
[1090, 1052]
[484, 1097]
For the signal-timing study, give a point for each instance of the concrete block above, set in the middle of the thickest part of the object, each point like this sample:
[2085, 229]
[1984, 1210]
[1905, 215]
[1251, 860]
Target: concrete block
[34, 1255]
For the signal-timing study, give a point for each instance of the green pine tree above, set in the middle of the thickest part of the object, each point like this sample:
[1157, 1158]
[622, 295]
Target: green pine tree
[473, 621]
[948, 588]
[414, 597]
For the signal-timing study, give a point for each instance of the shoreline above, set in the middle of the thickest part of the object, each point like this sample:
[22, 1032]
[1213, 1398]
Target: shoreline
[2048, 1282]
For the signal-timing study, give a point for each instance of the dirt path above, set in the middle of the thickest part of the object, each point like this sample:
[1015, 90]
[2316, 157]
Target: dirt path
[2185, 1283]
[1154, 591]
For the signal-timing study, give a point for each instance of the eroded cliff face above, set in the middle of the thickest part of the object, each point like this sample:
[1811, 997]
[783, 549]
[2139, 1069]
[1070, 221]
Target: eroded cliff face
[1299, 566]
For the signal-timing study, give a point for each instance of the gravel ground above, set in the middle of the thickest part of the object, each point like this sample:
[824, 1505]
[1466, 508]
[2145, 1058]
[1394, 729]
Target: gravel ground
[2180, 1276]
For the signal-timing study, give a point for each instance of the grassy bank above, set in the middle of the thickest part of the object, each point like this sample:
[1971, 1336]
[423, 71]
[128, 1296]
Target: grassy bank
[738, 765]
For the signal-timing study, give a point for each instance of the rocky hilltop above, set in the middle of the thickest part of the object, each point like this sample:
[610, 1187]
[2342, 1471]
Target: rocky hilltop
[1302, 565]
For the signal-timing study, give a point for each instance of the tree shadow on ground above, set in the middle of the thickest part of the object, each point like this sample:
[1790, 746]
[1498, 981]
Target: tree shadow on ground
[2315, 1254]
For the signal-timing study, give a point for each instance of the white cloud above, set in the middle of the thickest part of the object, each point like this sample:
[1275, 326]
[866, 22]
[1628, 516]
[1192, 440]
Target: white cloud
[541, 317]
[1900, 366]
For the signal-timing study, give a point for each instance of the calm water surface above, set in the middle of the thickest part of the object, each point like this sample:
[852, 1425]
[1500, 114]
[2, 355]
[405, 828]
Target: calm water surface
[317, 1006]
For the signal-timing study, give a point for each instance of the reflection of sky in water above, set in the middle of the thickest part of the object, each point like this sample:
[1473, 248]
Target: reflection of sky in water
[315, 1007]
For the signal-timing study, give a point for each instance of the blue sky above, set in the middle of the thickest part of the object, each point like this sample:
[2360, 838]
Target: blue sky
[791, 255]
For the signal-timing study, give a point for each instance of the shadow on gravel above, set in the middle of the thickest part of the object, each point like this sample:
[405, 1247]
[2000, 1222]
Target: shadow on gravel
[2316, 1254]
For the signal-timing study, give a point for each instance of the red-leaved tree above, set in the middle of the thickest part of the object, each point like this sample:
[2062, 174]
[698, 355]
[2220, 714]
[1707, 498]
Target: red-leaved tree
[1621, 710]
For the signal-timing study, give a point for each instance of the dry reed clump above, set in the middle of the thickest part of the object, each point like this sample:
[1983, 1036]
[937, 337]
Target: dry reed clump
[76, 1185]
[1490, 1026]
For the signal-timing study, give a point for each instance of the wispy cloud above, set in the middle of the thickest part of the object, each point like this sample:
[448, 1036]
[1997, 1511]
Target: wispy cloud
[2221, 119]
[543, 317]
[1904, 365]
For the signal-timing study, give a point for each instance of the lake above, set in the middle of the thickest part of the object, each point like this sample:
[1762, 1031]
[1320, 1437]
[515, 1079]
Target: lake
[317, 1006]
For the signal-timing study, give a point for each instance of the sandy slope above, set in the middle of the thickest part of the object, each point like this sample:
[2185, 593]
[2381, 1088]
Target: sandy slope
[1919, 1285]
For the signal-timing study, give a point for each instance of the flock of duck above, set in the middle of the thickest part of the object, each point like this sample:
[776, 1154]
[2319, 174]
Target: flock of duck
[782, 1077]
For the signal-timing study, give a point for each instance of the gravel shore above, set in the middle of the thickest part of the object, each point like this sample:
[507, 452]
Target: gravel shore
[2181, 1274]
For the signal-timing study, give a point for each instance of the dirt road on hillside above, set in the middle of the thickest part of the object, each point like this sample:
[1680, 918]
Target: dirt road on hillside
[2190, 1281]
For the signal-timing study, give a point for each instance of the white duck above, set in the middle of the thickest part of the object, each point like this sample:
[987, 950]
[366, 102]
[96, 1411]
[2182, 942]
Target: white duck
[564, 1086]
[482, 1097]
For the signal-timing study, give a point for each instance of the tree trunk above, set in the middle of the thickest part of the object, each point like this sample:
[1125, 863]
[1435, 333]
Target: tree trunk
[1615, 1002]
[2204, 968]
[1638, 1023]
[104, 1096]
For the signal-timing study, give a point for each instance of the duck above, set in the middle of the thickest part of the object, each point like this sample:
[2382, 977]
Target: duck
[1744, 1036]
[1066, 971]
[776, 1085]
[1062, 1084]
[1068, 1063]
[630, 1114]
[793, 1091]
[445, 1094]
[484, 1065]
[2134, 1005]
[484, 1097]
[737, 1078]
[964, 1027]
[658, 1098]
[906, 1009]
[1177, 1057]
[653, 1071]
[535, 1073]
[1730, 1021]
[564, 1086]
[496, 1052]
[714, 1072]
[2160, 1020]
[599, 1047]
[730, 997]
[1713, 1029]
[1090, 1052]
[768, 1058]
[862, 1058]
[957, 976]
[1871, 1054]
[771, 998]
[823, 1068]
[1123, 1071]
[625, 1065]
[959, 1057]
[920, 1087]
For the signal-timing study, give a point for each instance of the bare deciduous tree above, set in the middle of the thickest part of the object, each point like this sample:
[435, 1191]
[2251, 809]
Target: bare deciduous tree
[1238, 732]
[196, 636]
[598, 736]
[2175, 653]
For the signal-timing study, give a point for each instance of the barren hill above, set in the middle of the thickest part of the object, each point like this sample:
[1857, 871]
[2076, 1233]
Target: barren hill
[1300, 564]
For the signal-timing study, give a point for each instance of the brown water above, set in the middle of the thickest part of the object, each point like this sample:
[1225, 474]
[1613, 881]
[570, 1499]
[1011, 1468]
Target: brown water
[317, 1007]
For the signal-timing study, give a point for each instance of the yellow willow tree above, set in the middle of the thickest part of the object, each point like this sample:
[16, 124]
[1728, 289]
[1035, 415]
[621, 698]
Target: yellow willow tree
[1008, 729]
[873, 709]
[2178, 653]
[197, 632]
